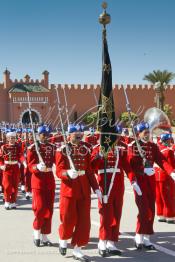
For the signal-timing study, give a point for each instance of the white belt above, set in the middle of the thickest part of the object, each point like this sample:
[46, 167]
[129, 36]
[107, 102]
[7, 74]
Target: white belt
[48, 169]
[10, 162]
[108, 170]
[81, 172]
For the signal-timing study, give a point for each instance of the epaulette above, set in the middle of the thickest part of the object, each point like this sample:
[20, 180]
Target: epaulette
[165, 149]
[131, 144]
[121, 147]
[96, 146]
[51, 144]
[61, 148]
[31, 146]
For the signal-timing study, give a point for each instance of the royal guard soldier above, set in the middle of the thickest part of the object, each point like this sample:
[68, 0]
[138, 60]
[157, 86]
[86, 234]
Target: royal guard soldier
[110, 212]
[2, 142]
[19, 139]
[40, 160]
[10, 159]
[74, 169]
[28, 141]
[141, 159]
[165, 186]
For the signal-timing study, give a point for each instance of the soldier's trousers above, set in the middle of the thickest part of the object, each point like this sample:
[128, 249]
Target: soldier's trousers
[42, 205]
[10, 183]
[165, 198]
[28, 176]
[110, 213]
[75, 220]
[145, 204]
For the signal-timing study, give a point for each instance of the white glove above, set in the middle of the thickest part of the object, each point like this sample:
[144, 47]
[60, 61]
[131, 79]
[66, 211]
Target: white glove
[25, 164]
[99, 195]
[72, 173]
[149, 171]
[3, 168]
[173, 175]
[137, 188]
[41, 167]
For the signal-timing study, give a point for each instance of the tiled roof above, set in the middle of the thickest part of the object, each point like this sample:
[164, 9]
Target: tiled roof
[28, 88]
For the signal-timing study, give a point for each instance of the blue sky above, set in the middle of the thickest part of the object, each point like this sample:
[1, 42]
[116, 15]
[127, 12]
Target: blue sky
[64, 37]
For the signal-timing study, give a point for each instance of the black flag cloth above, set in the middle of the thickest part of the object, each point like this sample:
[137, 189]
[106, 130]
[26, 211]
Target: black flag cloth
[106, 112]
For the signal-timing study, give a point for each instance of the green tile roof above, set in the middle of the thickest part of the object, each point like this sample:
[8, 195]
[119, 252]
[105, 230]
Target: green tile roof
[28, 88]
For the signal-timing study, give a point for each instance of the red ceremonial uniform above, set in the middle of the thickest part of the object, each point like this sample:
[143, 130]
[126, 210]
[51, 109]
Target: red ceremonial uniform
[10, 157]
[22, 175]
[165, 186]
[110, 213]
[75, 194]
[43, 186]
[1, 173]
[146, 202]
[27, 173]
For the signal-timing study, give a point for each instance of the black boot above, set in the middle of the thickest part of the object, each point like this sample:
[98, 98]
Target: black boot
[47, 243]
[103, 253]
[150, 247]
[82, 259]
[171, 221]
[62, 250]
[114, 252]
[36, 242]
[139, 246]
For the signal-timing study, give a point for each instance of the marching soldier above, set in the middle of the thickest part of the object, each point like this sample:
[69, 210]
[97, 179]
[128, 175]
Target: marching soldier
[110, 212]
[2, 142]
[144, 172]
[10, 158]
[19, 139]
[43, 185]
[77, 179]
[165, 187]
[28, 140]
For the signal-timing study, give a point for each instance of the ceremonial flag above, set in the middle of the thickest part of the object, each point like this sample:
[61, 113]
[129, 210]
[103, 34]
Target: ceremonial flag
[106, 112]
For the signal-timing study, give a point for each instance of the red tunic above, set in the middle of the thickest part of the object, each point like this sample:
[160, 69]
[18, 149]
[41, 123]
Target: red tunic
[81, 158]
[146, 202]
[41, 180]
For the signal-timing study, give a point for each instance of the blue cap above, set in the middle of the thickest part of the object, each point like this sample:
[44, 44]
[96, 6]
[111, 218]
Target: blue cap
[118, 129]
[75, 128]
[44, 129]
[19, 130]
[24, 130]
[165, 136]
[125, 131]
[7, 130]
[71, 128]
[142, 126]
[29, 130]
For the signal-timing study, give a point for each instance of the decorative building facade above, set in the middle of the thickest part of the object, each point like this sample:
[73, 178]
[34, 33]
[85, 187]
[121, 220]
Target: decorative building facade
[80, 99]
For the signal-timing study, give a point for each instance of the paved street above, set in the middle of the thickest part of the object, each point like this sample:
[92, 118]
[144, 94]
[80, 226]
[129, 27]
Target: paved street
[16, 235]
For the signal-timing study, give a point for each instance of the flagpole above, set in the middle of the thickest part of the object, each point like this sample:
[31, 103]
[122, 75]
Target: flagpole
[104, 19]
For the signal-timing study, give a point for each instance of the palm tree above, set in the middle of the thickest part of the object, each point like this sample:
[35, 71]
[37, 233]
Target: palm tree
[160, 79]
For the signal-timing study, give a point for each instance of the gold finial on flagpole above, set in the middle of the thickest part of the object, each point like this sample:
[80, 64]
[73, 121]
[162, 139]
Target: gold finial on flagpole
[104, 18]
